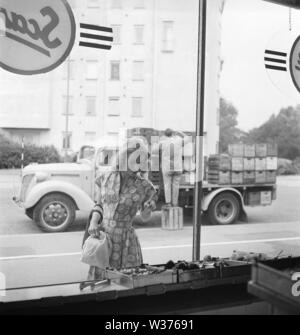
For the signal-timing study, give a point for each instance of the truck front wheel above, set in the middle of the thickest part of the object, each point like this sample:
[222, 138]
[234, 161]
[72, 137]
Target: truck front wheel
[224, 209]
[54, 213]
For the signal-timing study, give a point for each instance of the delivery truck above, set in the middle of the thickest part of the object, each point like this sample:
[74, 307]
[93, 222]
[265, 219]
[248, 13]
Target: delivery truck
[52, 193]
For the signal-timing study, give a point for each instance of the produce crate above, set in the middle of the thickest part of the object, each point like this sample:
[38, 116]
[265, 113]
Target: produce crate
[198, 274]
[271, 177]
[249, 150]
[249, 164]
[237, 177]
[134, 281]
[224, 177]
[272, 281]
[236, 150]
[260, 164]
[235, 269]
[272, 149]
[249, 177]
[272, 163]
[237, 164]
[219, 162]
[260, 177]
[261, 150]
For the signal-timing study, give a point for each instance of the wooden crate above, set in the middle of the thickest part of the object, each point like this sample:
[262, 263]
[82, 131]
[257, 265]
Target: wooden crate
[272, 163]
[260, 177]
[249, 177]
[172, 218]
[275, 277]
[236, 150]
[249, 150]
[237, 163]
[260, 164]
[272, 149]
[271, 177]
[261, 150]
[237, 177]
[219, 162]
[224, 177]
[249, 164]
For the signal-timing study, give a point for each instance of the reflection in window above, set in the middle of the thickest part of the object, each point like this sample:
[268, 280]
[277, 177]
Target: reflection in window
[69, 69]
[168, 36]
[92, 70]
[91, 106]
[67, 107]
[114, 106]
[90, 136]
[93, 4]
[67, 139]
[139, 4]
[139, 34]
[116, 3]
[115, 70]
[138, 70]
[116, 33]
[137, 103]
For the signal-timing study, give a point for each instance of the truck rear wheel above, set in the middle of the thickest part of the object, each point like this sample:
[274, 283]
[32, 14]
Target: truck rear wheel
[224, 209]
[54, 213]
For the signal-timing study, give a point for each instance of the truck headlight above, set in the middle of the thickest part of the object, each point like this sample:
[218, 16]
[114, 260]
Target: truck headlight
[41, 176]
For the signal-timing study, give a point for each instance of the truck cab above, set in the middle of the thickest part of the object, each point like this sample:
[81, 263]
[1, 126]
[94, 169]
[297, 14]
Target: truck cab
[52, 193]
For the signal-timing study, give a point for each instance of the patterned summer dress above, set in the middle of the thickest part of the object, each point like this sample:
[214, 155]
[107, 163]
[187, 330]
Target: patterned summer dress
[121, 199]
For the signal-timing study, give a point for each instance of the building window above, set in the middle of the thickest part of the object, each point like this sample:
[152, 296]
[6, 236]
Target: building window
[138, 70]
[93, 4]
[114, 106]
[67, 140]
[114, 70]
[116, 4]
[91, 70]
[137, 103]
[67, 107]
[168, 36]
[68, 69]
[139, 34]
[90, 136]
[116, 34]
[139, 4]
[91, 106]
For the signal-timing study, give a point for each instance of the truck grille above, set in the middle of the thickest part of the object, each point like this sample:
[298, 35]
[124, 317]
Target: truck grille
[25, 185]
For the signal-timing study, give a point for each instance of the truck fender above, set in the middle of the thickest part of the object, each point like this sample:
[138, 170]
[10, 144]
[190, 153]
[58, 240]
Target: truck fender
[210, 196]
[81, 199]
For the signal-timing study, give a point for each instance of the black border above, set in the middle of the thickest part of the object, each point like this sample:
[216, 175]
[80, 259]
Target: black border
[291, 63]
[64, 56]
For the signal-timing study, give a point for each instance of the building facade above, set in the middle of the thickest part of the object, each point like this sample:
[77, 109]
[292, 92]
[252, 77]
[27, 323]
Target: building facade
[147, 79]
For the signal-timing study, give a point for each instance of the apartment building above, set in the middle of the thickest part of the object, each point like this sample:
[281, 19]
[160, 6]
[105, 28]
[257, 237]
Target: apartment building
[147, 79]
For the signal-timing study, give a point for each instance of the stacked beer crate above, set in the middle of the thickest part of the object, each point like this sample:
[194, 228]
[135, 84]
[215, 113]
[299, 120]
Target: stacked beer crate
[246, 164]
[219, 169]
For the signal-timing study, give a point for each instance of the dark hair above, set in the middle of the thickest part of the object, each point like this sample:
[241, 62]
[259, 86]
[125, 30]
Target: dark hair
[168, 132]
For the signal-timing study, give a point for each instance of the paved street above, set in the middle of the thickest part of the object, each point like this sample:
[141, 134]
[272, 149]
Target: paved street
[29, 257]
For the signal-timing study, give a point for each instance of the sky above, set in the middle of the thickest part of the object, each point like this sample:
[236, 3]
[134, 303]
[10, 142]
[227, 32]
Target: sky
[248, 28]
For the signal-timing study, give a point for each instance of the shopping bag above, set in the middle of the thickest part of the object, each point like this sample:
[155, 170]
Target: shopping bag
[96, 251]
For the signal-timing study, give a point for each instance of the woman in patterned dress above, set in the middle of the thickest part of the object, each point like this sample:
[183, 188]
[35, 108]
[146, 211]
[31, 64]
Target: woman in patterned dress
[121, 195]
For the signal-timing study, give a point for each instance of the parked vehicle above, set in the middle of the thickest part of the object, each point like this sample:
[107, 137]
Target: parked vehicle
[52, 193]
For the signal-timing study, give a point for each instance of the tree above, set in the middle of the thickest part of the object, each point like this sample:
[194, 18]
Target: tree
[283, 129]
[229, 132]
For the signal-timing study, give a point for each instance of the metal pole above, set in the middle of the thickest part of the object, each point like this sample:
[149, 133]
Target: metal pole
[198, 193]
[67, 107]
